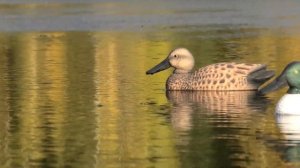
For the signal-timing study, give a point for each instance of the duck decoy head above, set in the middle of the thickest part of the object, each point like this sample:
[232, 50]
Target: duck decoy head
[181, 59]
[290, 76]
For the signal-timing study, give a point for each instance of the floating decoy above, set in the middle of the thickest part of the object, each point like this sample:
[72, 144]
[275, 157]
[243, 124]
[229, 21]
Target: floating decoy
[219, 76]
[290, 102]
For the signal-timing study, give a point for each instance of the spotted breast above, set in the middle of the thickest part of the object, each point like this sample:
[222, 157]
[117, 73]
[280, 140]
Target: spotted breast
[220, 76]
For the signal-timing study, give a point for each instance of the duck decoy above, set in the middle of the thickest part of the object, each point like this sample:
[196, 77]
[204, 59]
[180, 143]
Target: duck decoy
[219, 76]
[290, 102]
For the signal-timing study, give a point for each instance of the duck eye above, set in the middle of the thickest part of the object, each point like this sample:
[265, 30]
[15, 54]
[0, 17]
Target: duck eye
[175, 56]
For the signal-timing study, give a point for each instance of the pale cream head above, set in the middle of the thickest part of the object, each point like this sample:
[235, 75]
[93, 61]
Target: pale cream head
[182, 60]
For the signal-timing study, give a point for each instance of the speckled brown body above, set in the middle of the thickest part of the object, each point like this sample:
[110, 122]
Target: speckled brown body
[220, 76]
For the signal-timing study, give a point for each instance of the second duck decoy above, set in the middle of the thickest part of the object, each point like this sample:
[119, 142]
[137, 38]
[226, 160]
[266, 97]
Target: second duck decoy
[290, 102]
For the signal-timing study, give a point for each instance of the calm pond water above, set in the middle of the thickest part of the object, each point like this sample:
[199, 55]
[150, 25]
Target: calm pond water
[74, 91]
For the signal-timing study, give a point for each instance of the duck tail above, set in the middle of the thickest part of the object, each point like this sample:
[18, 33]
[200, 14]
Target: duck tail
[260, 76]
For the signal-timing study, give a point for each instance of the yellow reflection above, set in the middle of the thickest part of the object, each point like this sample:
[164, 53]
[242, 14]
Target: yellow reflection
[275, 48]
[4, 97]
[107, 135]
[123, 132]
[37, 79]
[26, 85]
[52, 84]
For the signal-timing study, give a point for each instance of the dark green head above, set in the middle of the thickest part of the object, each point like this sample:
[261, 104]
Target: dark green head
[290, 76]
[293, 78]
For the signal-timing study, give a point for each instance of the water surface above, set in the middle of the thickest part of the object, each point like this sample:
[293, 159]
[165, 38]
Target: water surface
[74, 91]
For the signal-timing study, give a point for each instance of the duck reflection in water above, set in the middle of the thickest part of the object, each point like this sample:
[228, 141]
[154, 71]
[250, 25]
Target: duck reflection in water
[218, 122]
[287, 111]
[289, 126]
[219, 105]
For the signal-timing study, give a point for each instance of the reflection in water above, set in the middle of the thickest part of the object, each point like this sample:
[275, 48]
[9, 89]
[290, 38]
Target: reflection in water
[66, 102]
[290, 128]
[41, 95]
[69, 102]
[228, 104]
[208, 121]
[82, 99]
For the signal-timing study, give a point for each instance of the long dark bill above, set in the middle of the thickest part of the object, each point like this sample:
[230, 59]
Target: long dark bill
[276, 84]
[279, 82]
[159, 67]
